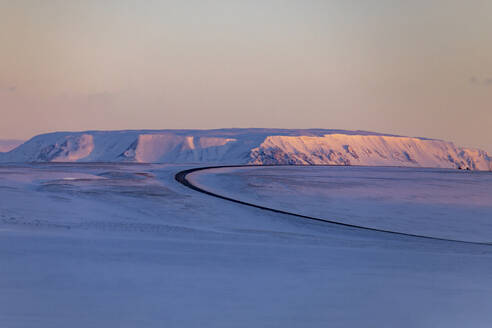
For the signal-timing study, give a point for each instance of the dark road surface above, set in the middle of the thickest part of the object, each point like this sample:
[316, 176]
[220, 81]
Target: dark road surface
[181, 177]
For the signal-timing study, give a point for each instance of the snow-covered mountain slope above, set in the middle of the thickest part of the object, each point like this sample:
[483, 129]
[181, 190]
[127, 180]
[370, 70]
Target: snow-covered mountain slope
[243, 146]
[9, 144]
[342, 149]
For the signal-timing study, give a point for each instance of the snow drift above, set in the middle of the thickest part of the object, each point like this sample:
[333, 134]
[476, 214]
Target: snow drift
[247, 146]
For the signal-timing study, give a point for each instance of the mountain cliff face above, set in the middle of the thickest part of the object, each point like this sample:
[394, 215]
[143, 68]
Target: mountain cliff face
[247, 146]
[340, 149]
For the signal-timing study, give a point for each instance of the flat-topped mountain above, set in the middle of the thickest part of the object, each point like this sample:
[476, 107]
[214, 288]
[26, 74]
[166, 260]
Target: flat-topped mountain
[247, 146]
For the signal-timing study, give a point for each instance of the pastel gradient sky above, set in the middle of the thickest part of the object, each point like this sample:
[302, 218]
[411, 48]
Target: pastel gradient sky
[417, 68]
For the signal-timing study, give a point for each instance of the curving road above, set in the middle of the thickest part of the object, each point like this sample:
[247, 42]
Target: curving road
[181, 177]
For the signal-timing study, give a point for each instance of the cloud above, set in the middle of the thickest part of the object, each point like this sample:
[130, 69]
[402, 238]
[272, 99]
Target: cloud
[487, 81]
[11, 88]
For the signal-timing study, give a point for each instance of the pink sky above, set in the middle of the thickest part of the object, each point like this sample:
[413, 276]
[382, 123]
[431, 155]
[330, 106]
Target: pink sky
[417, 68]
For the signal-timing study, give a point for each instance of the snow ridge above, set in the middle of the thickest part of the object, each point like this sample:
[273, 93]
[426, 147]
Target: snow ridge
[248, 146]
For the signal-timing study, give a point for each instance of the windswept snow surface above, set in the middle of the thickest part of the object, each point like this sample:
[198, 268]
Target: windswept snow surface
[243, 146]
[438, 203]
[125, 245]
[9, 144]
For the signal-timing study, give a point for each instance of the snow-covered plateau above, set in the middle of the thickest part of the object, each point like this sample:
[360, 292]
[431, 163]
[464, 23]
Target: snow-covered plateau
[126, 245]
[248, 146]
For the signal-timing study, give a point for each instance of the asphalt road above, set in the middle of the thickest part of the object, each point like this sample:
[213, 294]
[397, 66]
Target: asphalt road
[181, 177]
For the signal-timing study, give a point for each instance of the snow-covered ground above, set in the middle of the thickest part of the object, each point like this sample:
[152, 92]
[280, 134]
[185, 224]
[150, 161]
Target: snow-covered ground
[440, 203]
[125, 245]
[242, 146]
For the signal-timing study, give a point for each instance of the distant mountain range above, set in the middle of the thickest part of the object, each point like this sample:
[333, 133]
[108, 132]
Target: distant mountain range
[248, 146]
[9, 144]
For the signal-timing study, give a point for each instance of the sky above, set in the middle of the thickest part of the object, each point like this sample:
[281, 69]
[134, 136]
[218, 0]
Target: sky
[415, 68]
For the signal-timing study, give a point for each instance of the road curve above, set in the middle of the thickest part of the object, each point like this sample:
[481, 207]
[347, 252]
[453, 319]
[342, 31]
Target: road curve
[181, 177]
